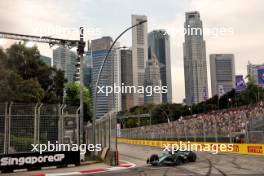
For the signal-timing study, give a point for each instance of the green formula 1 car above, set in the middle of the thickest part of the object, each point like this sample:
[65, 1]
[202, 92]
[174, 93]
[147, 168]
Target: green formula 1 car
[172, 158]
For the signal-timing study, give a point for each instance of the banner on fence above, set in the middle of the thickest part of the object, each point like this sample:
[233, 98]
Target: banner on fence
[261, 76]
[10, 162]
[249, 149]
[240, 83]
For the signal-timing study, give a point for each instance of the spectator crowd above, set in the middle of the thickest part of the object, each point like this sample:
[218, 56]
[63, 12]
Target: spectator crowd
[228, 123]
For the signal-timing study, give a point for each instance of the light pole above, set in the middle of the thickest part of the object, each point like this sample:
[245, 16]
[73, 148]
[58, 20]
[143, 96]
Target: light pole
[99, 74]
[80, 51]
[165, 113]
[168, 119]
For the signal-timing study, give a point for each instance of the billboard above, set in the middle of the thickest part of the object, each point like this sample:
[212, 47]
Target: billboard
[261, 76]
[32, 161]
[240, 83]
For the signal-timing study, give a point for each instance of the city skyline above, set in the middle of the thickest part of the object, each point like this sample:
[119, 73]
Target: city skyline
[139, 54]
[159, 42]
[65, 59]
[194, 56]
[160, 16]
[222, 69]
[126, 77]
[104, 103]
[152, 78]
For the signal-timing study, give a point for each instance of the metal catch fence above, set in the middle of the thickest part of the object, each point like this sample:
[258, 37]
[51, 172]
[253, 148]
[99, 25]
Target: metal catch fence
[24, 124]
[105, 131]
[237, 125]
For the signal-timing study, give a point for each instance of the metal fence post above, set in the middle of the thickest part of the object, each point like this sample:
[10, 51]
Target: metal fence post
[110, 130]
[171, 131]
[177, 132]
[35, 123]
[99, 133]
[6, 129]
[78, 126]
[38, 124]
[104, 133]
[229, 130]
[185, 133]
[246, 131]
[9, 126]
[62, 123]
[59, 124]
[194, 135]
[215, 130]
[204, 134]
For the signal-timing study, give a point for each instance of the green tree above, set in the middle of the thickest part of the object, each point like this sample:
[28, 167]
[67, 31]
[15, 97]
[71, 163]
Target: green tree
[73, 98]
[3, 58]
[14, 88]
[252, 92]
[26, 63]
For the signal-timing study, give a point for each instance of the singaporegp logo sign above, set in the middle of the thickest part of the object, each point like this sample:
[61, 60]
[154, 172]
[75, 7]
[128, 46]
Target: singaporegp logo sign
[11, 161]
[34, 160]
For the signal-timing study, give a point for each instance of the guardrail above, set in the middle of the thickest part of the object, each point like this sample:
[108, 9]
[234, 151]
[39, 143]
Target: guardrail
[105, 135]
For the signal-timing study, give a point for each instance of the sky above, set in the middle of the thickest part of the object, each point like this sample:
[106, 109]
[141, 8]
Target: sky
[62, 19]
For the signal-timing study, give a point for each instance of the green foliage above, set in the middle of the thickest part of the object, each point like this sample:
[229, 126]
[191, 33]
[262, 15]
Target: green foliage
[25, 78]
[14, 88]
[73, 98]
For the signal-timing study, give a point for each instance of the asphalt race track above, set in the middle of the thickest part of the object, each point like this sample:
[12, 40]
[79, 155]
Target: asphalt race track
[206, 165]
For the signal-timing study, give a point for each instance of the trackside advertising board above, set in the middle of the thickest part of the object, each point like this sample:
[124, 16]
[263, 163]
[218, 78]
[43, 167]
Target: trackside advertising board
[248, 149]
[30, 161]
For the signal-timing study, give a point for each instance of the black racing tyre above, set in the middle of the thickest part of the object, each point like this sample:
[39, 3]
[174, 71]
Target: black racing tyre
[153, 158]
[178, 161]
[192, 157]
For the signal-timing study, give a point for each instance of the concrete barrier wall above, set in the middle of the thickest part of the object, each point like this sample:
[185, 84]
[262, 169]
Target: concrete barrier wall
[248, 149]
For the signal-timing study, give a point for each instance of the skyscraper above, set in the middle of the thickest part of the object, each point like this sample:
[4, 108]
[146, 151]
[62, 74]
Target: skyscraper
[159, 42]
[139, 55]
[195, 68]
[46, 60]
[87, 69]
[152, 79]
[104, 103]
[65, 60]
[222, 69]
[252, 71]
[126, 78]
